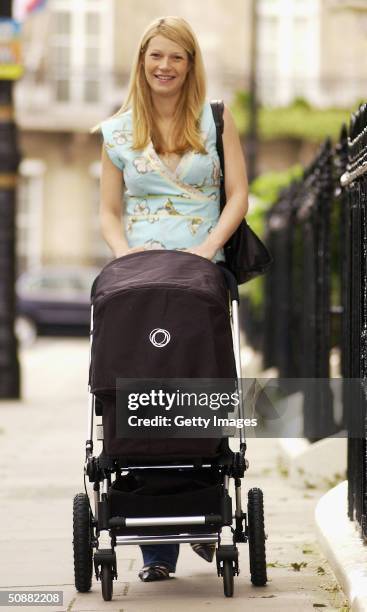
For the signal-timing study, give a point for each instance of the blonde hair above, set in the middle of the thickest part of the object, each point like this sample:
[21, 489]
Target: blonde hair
[186, 119]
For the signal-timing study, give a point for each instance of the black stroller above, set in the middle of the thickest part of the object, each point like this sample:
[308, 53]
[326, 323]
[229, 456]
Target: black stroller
[163, 315]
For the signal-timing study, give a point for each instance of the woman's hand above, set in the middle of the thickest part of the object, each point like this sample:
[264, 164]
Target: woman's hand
[128, 251]
[204, 250]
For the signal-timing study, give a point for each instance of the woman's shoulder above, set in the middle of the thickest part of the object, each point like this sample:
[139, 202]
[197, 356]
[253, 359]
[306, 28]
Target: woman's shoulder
[117, 123]
[207, 120]
[206, 110]
[117, 137]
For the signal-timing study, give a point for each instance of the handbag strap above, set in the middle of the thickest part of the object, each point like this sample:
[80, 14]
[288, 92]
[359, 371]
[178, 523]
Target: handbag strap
[217, 110]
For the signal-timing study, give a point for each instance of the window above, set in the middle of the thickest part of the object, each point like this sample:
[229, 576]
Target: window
[267, 56]
[300, 56]
[81, 53]
[288, 50]
[29, 214]
[100, 253]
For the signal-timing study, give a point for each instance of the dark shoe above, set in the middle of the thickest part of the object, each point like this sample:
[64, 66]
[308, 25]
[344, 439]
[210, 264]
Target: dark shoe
[205, 551]
[151, 573]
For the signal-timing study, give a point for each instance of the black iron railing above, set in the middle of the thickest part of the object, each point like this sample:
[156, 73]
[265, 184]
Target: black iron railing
[354, 346]
[316, 295]
[297, 304]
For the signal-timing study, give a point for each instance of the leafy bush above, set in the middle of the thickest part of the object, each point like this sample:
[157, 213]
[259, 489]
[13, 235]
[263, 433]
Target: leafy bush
[267, 187]
[297, 120]
[300, 102]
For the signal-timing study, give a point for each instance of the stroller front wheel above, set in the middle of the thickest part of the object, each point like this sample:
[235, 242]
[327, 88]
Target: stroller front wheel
[228, 583]
[107, 581]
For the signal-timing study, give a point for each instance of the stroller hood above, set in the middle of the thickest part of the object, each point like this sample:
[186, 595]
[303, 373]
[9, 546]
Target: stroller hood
[160, 314]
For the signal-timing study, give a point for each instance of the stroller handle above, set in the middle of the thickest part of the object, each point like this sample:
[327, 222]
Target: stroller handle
[230, 281]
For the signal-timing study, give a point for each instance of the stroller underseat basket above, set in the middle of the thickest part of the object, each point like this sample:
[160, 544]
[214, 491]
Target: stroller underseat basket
[151, 493]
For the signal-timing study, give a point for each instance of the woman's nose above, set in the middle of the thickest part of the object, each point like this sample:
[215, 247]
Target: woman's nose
[164, 63]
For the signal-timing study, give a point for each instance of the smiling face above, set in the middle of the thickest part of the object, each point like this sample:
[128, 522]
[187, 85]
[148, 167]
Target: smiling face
[166, 65]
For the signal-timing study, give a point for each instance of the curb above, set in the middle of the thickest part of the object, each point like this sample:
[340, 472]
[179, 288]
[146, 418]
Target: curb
[343, 546]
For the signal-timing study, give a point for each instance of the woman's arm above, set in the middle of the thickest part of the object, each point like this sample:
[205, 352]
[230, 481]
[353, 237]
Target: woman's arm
[236, 191]
[112, 183]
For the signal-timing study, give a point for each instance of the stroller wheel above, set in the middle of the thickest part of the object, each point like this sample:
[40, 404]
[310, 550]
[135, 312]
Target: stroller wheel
[228, 583]
[257, 537]
[82, 543]
[107, 581]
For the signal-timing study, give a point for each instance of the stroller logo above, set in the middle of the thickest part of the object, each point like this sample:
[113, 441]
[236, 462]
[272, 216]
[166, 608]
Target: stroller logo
[159, 337]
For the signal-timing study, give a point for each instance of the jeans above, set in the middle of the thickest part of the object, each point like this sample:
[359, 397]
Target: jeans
[161, 554]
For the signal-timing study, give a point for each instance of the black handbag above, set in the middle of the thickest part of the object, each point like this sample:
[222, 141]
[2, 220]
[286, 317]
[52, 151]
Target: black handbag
[246, 256]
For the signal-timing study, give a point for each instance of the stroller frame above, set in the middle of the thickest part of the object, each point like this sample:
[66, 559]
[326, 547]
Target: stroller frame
[98, 529]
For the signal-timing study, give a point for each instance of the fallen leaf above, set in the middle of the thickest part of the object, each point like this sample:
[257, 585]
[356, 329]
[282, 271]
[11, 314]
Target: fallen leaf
[335, 588]
[309, 485]
[297, 566]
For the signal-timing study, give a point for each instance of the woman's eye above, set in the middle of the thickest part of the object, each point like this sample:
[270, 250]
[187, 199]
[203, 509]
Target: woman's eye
[158, 55]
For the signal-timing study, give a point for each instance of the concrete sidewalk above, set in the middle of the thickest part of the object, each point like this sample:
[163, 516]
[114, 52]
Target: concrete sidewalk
[41, 466]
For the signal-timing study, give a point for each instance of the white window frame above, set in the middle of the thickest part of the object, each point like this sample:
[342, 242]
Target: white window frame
[30, 219]
[100, 252]
[286, 82]
[78, 38]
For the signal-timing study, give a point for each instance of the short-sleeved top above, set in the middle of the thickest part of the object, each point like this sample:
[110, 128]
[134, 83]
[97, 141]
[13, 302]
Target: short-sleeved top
[166, 209]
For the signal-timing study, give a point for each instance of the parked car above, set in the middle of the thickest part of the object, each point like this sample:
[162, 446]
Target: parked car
[53, 300]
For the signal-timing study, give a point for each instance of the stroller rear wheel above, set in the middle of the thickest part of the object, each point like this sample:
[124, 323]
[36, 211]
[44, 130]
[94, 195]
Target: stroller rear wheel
[107, 581]
[228, 582]
[257, 537]
[82, 543]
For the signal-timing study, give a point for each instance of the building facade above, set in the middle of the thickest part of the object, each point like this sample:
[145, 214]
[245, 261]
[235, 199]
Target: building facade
[77, 59]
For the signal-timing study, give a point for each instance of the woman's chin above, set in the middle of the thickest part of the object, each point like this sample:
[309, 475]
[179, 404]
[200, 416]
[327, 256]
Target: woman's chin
[164, 89]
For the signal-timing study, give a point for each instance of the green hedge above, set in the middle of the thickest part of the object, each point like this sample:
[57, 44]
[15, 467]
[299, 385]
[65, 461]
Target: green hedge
[298, 120]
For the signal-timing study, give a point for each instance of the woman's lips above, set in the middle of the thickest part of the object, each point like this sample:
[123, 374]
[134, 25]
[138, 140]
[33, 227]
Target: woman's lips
[164, 79]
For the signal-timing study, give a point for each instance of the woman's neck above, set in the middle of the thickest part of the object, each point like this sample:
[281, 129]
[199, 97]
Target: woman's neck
[165, 107]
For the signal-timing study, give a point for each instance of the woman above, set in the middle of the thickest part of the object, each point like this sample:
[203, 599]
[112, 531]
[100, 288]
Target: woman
[161, 146]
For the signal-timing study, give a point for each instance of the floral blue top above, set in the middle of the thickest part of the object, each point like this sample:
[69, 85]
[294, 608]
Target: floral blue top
[166, 209]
